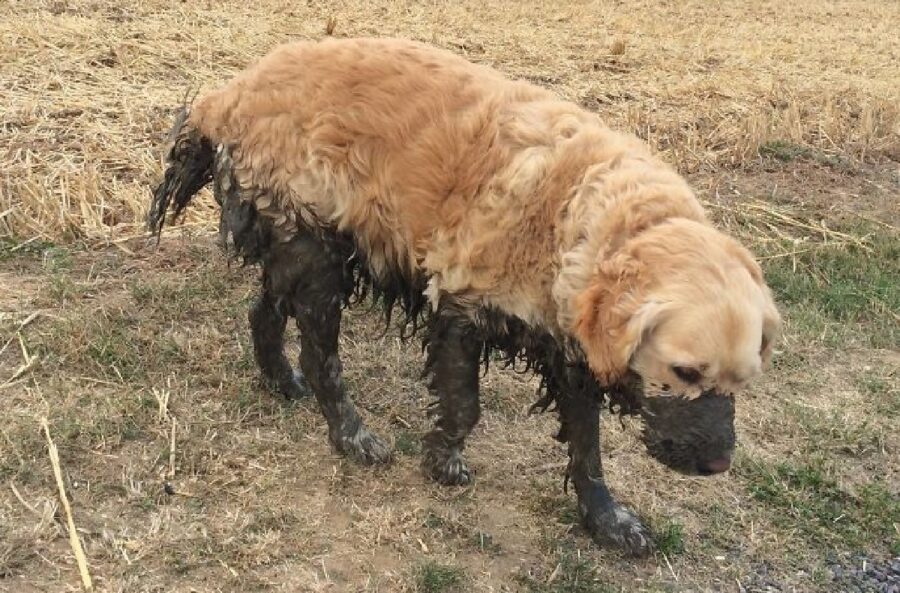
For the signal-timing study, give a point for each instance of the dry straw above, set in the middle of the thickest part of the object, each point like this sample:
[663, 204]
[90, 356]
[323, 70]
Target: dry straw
[90, 89]
[74, 541]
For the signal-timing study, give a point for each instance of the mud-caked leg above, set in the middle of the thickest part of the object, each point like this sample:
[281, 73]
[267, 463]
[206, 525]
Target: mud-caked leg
[243, 233]
[454, 351]
[317, 308]
[267, 324]
[609, 523]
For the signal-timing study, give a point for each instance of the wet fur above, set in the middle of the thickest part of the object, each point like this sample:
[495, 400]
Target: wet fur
[507, 223]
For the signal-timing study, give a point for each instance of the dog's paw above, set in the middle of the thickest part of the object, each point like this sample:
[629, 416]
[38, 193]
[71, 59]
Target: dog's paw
[449, 470]
[364, 446]
[290, 384]
[294, 386]
[618, 527]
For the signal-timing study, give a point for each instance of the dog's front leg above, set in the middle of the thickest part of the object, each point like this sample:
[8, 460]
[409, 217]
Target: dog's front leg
[609, 523]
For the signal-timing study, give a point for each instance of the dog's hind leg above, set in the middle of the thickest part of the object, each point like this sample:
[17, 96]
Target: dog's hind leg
[268, 320]
[608, 522]
[244, 232]
[316, 299]
[454, 351]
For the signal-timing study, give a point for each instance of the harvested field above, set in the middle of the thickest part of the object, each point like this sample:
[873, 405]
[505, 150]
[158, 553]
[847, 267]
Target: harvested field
[185, 474]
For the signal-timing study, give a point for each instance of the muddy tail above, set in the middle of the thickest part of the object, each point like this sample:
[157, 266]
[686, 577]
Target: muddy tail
[189, 167]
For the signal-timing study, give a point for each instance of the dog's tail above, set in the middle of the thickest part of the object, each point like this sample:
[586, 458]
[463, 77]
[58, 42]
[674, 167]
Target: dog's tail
[189, 167]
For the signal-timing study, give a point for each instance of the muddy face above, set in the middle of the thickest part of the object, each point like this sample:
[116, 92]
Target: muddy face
[694, 361]
[691, 436]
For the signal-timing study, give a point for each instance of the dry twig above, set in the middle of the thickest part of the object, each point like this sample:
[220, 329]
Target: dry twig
[74, 541]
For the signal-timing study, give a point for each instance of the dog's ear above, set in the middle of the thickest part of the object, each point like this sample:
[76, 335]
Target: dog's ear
[612, 315]
[771, 329]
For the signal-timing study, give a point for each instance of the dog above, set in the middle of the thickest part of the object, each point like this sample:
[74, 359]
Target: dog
[500, 218]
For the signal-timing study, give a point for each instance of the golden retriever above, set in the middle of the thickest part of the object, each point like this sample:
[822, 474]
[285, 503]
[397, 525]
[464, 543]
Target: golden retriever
[509, 219]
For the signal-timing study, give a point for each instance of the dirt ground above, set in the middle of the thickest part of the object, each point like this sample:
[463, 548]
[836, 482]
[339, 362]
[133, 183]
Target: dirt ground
[185, 474]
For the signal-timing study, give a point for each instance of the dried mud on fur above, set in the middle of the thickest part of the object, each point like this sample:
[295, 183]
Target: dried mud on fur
[183, 473]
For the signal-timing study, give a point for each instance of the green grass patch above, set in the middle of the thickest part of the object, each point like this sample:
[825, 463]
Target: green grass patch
[783, 150]
[873, 385]
[407, 443]
[836, 433]
[834, 287]
[668, 538]
[114, 350]
[786, 151]
[57, 263]
[881, 388]
[56, 259]
[557, 506]
[573, 573]
[89, 424]
[440, 578]
[202, 291]
[11, 248]
[116, 346]
[809, 500]
[433, 521]
[720, 528]
[61, 289]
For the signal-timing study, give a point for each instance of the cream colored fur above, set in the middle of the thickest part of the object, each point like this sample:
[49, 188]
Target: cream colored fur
[501, 194]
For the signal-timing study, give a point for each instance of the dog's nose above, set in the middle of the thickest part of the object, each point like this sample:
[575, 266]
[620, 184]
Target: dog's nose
[715, 466]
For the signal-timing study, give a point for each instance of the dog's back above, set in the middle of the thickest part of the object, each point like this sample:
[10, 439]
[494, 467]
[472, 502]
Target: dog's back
[437, 167]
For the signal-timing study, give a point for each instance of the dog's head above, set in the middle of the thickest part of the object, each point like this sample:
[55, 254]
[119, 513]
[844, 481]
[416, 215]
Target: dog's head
[681, 313]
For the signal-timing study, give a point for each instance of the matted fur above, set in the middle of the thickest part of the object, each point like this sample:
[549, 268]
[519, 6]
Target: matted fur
[525, 225]
[495, 191]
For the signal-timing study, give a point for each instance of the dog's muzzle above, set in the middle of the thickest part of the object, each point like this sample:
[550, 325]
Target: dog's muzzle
[691, 436]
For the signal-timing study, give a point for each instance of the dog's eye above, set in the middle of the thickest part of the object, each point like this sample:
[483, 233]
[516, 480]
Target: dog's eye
[687, 374]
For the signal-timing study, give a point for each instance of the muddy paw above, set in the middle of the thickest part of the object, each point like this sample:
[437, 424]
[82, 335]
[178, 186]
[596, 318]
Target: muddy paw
[450, 470]
[364, 447]
[618, 527]
[291, 384]
[295, 387]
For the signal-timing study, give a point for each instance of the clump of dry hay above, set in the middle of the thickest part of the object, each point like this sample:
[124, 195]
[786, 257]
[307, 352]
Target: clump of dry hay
[90, 88]
[720, 130]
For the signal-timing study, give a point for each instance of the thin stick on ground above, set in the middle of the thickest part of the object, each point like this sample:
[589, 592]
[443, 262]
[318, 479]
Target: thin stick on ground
[74, 541]
[29, 363]
[172, 453]
[162, 400]
[20, 327]
[25, 503]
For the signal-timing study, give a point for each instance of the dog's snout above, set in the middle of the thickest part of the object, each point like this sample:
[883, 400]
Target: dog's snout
[692, 436]
[715, 466]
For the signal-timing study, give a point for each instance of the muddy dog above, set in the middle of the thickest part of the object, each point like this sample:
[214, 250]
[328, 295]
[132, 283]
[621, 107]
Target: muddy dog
[506, 219]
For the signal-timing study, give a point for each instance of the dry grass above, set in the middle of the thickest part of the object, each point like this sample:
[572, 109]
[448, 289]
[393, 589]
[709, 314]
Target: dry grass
[89, 87]
[249, 497]
[185, 475]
